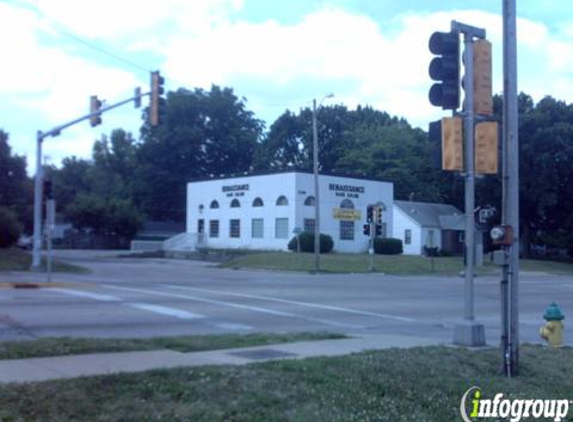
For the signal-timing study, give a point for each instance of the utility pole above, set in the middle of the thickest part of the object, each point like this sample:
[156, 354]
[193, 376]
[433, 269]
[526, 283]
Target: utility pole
[316, 190]
[510, 200]
[316, 183]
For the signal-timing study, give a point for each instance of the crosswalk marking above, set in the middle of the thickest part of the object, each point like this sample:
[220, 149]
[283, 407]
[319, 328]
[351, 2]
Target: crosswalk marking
[164, 310]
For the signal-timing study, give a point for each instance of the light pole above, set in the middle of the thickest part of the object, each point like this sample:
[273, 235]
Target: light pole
[316, 189]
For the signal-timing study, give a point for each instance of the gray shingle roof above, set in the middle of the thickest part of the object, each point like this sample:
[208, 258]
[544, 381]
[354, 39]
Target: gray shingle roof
[429, 214]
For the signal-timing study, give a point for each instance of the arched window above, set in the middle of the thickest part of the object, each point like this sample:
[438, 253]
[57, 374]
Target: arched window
[347, 203]
[201, 208]
[347, 226]
[309, 201]
[235, 203]
[257, 202]
[281, 200]
[214, 204]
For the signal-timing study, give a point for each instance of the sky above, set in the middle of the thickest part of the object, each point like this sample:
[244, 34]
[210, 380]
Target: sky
[276, 54]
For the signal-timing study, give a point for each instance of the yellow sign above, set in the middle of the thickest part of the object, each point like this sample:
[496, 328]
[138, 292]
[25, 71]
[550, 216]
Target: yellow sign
[486, 148]
[483, 101]
[346, 214]
[452, 154]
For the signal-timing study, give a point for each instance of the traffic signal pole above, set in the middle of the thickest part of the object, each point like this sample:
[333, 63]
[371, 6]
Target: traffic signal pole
[40, 136]
[469, 332]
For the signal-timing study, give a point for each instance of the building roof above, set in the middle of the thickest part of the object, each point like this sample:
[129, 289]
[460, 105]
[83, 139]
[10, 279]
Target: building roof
[428, 214]
[284, 171]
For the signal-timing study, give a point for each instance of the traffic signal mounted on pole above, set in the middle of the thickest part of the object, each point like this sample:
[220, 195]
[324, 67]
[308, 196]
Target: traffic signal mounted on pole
[156, 92]
[366, 229]
[370, 214]
[378, 220]
[445, 69]
[95, 105]
[47, 189]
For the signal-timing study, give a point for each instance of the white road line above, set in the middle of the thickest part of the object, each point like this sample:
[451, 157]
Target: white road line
[164, 310]
[235, 305]
[79, 293]
[293, 302]
[232, 326]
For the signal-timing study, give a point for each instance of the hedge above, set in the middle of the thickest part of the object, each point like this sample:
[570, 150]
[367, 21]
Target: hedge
[307, 243]
[388, 246]
[10, 229]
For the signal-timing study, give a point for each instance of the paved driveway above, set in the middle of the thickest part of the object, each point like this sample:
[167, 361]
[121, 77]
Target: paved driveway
[131, 297]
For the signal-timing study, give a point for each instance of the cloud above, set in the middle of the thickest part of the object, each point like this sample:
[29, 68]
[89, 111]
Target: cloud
[49, 77]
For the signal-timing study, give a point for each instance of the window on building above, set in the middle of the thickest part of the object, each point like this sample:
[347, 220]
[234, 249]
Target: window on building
[281, 200]
[257, 202]
[347, 230]
[235, 203]
[407, 237]
[308, 225]
[257, 230]
[213, 228]
[309, 201]
[201, 208]
[281, 228]
[235, 228]
[201, 226]
[347, 227]
[214, 204]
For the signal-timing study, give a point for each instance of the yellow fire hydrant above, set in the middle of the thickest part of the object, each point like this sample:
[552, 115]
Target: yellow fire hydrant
[552, 331]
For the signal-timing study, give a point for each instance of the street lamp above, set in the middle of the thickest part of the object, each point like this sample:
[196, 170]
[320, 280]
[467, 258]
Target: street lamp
[316, 194]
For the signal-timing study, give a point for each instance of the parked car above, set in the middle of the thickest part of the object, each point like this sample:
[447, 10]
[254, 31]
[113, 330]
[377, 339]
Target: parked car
[24, 242]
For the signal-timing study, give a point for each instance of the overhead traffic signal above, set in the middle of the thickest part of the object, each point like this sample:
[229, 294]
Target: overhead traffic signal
[445, 69]
[378, 229]
[366, 229]
[95, 106]
[47, 189]
[156, 92]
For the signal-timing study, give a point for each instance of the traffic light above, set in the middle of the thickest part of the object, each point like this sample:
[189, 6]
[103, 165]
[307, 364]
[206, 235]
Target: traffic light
[366, 229]
[378, 215]
[445, 69]
[95, 106]
[378, 229]
[156, 92]
[369, 214]
[47, 189]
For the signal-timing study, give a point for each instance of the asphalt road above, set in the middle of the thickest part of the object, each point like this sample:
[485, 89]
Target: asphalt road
[156, 297]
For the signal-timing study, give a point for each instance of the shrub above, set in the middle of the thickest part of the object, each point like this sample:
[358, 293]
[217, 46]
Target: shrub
[10, 229]
[388, 246]
[307, 243]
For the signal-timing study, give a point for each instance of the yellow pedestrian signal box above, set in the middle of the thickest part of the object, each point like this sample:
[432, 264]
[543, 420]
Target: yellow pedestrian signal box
[452, 144]
[483, 101]
[486, 141]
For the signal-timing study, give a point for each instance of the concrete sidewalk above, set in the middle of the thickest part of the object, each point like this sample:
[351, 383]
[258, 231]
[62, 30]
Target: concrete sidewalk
[42, 369]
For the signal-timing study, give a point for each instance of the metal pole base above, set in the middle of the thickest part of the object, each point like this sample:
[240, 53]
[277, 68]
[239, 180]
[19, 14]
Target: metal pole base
[469, 333]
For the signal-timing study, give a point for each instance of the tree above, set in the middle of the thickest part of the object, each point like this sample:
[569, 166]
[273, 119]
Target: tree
[204, 134]
[16, 188]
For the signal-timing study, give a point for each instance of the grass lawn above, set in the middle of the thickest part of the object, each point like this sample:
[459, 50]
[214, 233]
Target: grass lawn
[419, 384]
[397, 264]
[14, 259]
[70, 346]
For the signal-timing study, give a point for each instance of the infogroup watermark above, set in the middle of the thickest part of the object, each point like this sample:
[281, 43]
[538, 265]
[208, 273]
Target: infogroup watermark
[474, 407]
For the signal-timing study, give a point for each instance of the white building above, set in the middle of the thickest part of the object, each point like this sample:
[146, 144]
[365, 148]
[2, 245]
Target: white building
[420, 224]
[262, 211]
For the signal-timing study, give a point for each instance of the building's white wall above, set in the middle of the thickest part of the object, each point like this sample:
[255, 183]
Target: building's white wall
[403, 222]
[296, 187]
[420, 235]
[268, 188]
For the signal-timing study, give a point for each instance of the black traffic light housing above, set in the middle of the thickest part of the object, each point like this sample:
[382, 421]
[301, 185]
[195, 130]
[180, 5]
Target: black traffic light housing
[157, 90]
[366, 229]
[95, 106]
[47, 189]
[378, 229]
[370, 214]
[445, 69]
